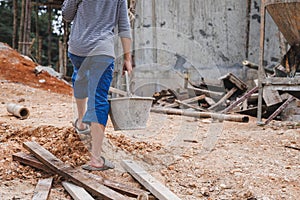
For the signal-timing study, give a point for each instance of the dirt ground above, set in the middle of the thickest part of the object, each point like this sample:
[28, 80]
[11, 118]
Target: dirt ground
[195, 158]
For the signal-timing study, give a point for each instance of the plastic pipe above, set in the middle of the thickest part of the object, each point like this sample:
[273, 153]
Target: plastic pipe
[18, 110]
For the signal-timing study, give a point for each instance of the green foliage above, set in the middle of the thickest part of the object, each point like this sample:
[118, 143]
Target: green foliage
[6, 30]
[6, 21]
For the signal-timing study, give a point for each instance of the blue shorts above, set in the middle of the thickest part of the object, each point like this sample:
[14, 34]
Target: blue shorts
[91, 79]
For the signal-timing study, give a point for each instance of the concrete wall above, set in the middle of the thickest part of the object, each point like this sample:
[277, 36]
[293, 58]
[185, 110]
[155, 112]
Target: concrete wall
[206, 38]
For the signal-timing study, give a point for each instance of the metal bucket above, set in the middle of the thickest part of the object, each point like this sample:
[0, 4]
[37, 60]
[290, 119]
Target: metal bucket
[130, 113]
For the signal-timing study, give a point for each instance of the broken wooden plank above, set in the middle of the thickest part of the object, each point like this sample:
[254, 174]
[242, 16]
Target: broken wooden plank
[70, 173]
[30, 160]
[223, 99]
[156, 188]
[76, 192]
[42, 190]
[243, 98]
[222, 117]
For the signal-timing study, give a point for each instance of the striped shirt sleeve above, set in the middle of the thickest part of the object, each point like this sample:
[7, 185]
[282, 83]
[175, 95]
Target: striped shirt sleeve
[123, 21]
[69, 9]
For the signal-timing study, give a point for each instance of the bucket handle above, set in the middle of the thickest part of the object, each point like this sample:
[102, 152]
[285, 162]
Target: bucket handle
[127, 84]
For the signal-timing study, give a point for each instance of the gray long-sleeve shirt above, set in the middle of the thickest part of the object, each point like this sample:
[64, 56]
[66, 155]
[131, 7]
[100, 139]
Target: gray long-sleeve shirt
[94, 22]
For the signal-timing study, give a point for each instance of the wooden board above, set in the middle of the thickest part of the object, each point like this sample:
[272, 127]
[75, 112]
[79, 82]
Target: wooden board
[156, 188]
[233, 81]
[76, 192]
[42, 189]
[30, 160]
[271, 97]
[117, 91]
[243, 98]
[223, 99]
[209, 93]
[70, 173]
[186, 101]
[189, 105]
[282, 81]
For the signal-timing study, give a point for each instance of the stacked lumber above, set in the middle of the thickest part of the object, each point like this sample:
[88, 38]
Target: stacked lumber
[81, 185]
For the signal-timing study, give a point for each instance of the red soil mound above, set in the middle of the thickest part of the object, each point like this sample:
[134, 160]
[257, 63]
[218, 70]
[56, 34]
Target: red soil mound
[16, 68]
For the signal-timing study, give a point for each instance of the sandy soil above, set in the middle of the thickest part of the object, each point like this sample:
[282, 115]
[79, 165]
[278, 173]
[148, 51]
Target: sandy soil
[195, 158]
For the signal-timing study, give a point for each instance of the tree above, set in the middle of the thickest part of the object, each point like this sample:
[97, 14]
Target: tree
[39, 30]
[6, 21]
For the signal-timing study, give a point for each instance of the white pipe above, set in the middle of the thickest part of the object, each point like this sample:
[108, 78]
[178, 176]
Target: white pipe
[18, 110]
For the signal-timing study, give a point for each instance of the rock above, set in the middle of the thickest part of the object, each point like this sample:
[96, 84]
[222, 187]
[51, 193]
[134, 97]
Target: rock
[224, 186]
[171, 167]
[204, 191]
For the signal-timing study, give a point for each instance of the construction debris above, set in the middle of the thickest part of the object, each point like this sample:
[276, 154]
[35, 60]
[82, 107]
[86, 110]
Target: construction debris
[82, 182]
[72, 174]
[206, 101]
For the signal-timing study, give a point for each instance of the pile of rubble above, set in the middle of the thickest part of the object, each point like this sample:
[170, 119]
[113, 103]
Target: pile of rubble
[233, 97]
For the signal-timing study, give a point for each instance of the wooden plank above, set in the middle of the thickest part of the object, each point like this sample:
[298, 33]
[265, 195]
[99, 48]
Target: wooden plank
[243, 98]
[210, 101]
[156, 188]
[223, 99]
[292, 88]
[76, 192]
[117, 91]
[70, 173]
[122, 188]
[30, 160]
[281, 81]
[190, 106]
[206, 92]
[186, 101]
[234, 81]
[42, 189]
[271, 97]
[280, 109]
[255, 66]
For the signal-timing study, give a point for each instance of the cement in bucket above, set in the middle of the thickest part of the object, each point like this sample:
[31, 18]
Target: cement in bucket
[130, 113]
